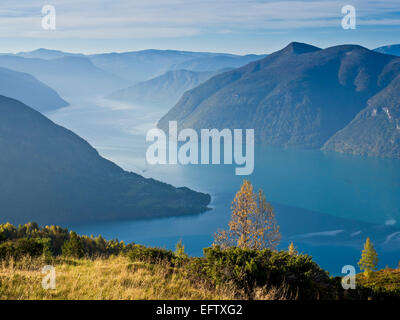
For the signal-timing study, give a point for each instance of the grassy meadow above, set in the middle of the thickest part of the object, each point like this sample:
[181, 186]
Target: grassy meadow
[112, 278]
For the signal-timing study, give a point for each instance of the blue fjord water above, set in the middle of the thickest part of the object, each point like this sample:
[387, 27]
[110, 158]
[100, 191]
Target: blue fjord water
[326, 203]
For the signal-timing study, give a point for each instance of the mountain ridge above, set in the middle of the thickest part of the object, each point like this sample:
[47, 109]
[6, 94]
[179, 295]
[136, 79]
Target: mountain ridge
[287, 96]
[164, 90]
[63, 179]
[375, 131]
[393, 49]
[143, 65]
[43, 53]
[62, 74]
[29, 90]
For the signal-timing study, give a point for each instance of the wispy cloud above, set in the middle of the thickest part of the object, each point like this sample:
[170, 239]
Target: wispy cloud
[179, 18]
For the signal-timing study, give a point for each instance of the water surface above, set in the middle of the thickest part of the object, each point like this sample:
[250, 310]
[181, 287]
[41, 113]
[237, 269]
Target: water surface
[326, 202]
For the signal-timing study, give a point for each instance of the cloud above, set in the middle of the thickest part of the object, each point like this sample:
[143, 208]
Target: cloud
[181, 18]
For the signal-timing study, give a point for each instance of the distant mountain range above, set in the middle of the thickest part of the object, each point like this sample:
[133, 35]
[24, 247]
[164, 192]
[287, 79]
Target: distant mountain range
[50, 175]
[138, 66]
[163, 90]
[393, 49]
[216, 62]
[68, 75]
[144, 65]
[302, 96]
[47, 54]
[76, 74]
[29, 90]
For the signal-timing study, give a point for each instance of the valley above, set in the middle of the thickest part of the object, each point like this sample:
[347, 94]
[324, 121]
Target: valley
[314, 193]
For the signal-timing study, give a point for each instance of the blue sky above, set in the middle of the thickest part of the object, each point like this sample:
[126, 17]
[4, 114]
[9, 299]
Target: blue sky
[236, 26]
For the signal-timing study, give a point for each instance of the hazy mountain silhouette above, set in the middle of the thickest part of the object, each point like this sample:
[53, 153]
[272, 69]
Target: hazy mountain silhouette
[29, 90]
[217, 62]
[69, 76]
[50, 175]
[298, 96]
[47, 54]
[128, 67]
[163, 90]
[138, 66]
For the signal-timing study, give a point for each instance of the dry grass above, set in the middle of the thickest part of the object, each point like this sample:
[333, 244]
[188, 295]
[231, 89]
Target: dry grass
[112, 278]
[274, 293]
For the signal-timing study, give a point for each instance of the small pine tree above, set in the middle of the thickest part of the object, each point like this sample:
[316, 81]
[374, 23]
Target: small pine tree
[73, 247]
[369, 258]
[180, 255]
[292, 250]
[180, 249]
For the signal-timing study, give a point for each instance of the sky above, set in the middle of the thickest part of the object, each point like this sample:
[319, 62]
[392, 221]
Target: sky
[234, 26]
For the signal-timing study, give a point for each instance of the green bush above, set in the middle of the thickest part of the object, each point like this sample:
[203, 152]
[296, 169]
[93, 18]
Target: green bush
[248, 269]
[138, 252]
[19, 248]
[180, 257]
[73, 247]
[91, 246]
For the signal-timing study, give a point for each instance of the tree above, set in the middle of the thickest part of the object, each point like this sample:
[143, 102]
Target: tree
[180, 255]
[253, 224]
[369, 258]
[292, 250]
[266, 224]
[180, 250]
[73, 247]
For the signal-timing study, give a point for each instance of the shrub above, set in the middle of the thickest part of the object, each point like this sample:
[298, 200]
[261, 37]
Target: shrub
[248, 269]
[7, 232]
[180, 257]
[73, 247]
[142, 253]
[92, 247]
[19, 248]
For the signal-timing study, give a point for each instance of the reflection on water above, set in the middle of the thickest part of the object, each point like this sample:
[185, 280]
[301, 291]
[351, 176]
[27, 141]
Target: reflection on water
[345, 187]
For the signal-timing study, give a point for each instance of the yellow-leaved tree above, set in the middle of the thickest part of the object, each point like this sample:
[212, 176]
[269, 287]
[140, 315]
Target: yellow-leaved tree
[253, 224]
[369, 258]
[292, 250]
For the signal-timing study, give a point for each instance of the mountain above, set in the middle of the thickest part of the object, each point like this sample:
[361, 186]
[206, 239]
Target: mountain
[375, 131]
[299, 96]
[47, 54]
[29, 90]
[163, 90]
[393, 49]
[128, 67]
[217, 62]
[49, 175]
[69, 76]
[138, 66]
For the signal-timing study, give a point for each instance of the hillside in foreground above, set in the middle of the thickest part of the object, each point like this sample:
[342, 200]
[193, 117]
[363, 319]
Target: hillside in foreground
[114, 278]
[94, 268]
